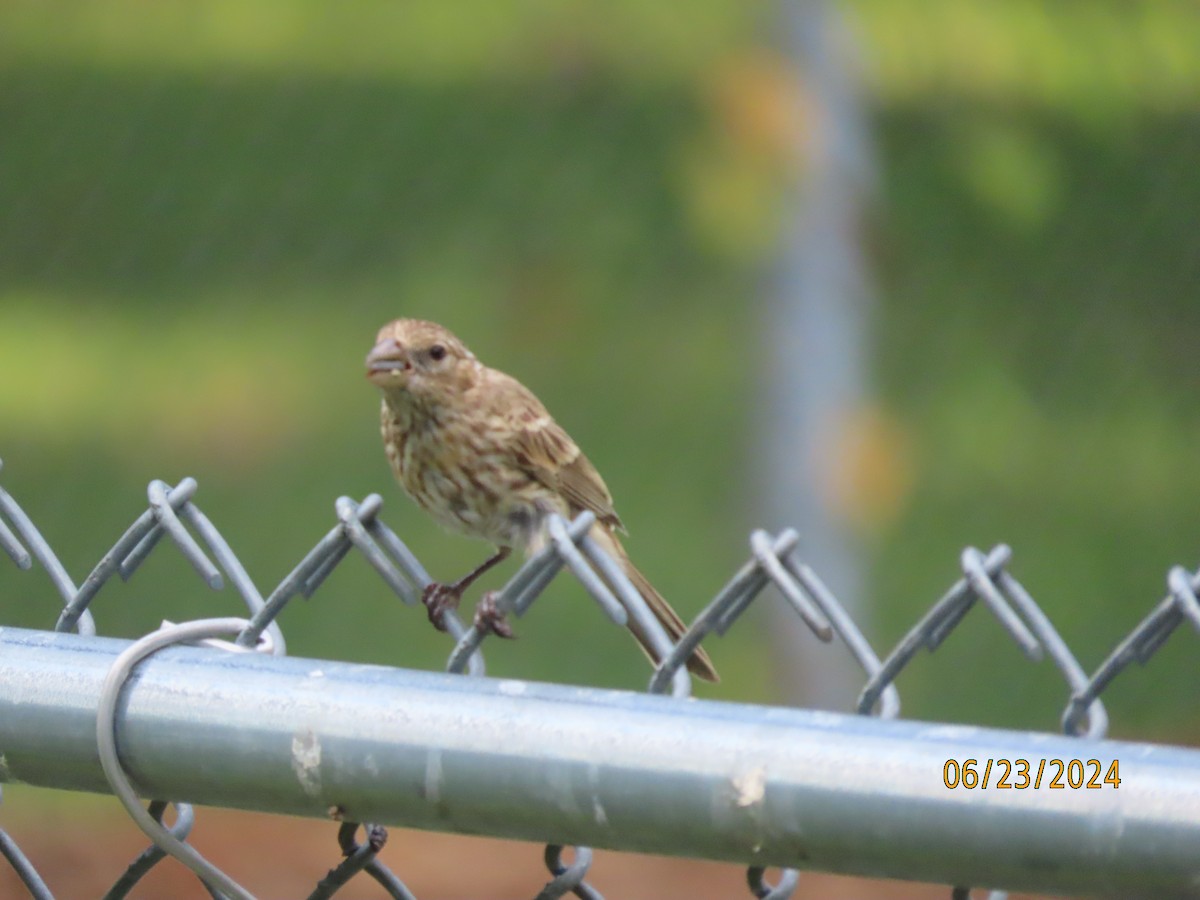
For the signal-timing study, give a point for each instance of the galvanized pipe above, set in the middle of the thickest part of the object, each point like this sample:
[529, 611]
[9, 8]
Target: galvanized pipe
[627, 771]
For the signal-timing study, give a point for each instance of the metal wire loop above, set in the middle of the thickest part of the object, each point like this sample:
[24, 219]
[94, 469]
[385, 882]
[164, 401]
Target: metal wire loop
[180, 829]
[172, 513]
[568, 878]
[106, 742]
[941, 619]
[1140, 644]
[764, 890]
[360, 858]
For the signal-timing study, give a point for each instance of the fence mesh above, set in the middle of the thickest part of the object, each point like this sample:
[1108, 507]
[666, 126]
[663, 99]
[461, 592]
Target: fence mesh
[173, 520]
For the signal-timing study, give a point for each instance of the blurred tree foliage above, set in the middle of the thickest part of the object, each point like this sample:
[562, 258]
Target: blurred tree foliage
[206, 210]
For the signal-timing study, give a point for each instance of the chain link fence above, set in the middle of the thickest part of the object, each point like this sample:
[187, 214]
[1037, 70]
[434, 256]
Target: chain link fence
[985, 581]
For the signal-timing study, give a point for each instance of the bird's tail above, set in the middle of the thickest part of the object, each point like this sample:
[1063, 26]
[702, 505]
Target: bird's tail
[698, 663]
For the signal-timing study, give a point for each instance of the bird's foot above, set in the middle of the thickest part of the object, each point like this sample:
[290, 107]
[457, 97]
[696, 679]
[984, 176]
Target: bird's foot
[490, 618]
[438, 599]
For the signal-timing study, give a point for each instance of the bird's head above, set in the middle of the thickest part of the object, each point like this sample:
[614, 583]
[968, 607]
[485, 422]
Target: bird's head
[417, 360]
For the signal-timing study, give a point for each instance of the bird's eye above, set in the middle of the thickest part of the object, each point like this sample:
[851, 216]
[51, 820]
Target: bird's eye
[437, 352]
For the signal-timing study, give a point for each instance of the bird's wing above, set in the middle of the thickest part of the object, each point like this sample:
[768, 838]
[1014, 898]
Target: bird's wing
[547, 453]
[555, 460]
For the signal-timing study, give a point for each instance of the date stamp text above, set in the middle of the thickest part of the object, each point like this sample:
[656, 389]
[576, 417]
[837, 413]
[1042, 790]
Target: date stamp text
[1022, 774]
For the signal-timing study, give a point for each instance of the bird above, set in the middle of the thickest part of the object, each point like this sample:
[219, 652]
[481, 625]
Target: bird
[478, 452]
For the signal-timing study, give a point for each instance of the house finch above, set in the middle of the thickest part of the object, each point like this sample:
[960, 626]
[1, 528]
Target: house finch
[477, 451]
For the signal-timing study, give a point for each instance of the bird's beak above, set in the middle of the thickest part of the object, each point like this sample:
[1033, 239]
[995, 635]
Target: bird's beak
[387, 362]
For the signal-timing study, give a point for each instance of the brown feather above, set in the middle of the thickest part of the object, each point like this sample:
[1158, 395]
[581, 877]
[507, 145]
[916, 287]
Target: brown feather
[479, 452]
[555, 460]
[698, 663]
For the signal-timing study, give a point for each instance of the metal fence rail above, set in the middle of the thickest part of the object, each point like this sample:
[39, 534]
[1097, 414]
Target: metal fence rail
[627, 771]
[766, 786]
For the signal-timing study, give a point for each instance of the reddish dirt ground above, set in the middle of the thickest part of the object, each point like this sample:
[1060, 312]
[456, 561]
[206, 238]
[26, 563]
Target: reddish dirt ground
[277, 858]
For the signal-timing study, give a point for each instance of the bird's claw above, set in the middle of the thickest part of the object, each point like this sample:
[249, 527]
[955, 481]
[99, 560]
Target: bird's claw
[489, 617]
[438, 600]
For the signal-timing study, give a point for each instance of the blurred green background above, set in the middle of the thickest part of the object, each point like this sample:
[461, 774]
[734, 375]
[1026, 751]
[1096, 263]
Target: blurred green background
[206, 211]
